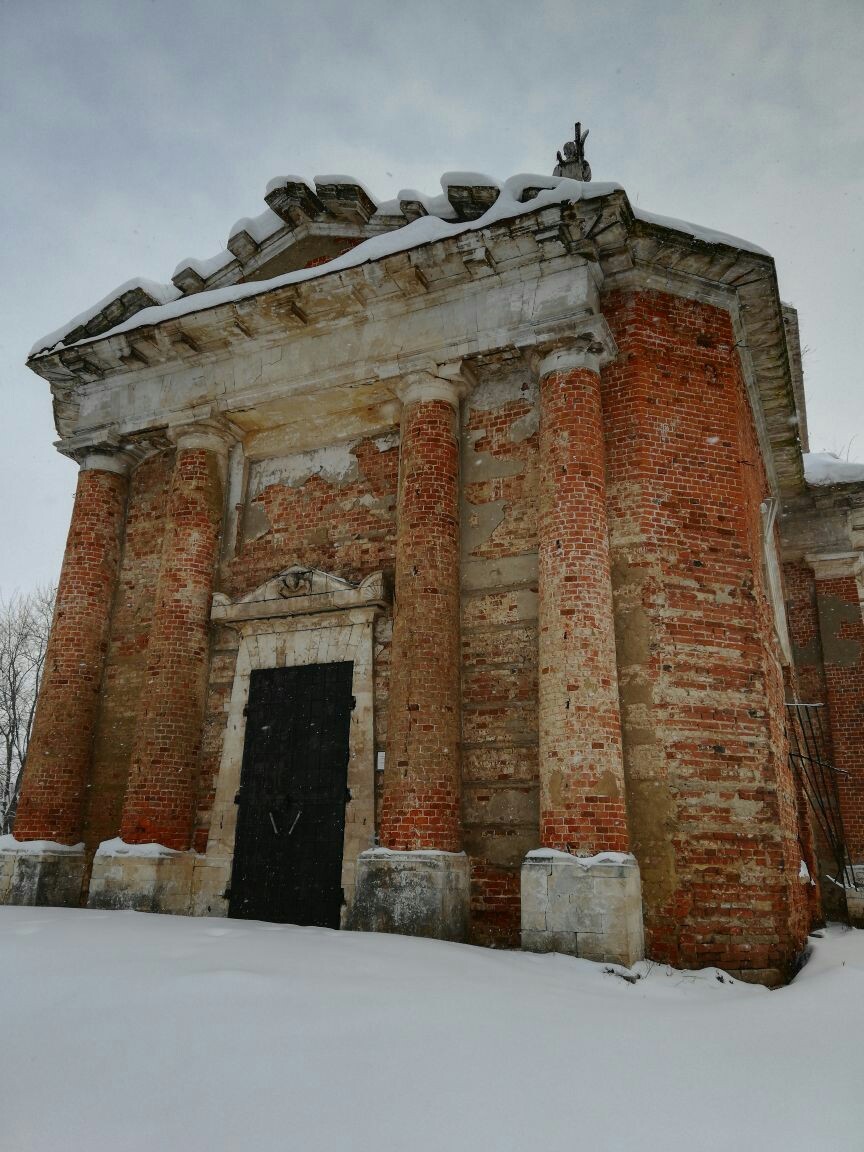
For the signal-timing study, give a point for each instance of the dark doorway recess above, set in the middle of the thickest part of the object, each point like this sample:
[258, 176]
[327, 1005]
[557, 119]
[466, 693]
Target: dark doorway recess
[293, 791]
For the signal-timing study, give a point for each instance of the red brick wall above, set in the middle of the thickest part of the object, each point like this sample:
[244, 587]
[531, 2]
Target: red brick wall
[346, 527]
[710, 795]
[808, 673]
[58, 763]
[806, 684]
[126, 663]
[499, 648]
[842, 634]
[420, 806]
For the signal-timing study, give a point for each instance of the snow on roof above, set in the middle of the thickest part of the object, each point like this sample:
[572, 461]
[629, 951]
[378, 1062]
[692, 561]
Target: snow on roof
[709, 235]
[163, 293]
[425, 230]
[468, 180]
[340, 178]
[208, 267]
[260, 227]
[440, 221]
[281, 181]
[824, 468]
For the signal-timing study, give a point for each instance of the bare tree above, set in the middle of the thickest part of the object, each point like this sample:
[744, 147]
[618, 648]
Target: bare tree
[25, 622]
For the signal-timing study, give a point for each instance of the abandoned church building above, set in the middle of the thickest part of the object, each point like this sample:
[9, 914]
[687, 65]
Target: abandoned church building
[448, 566]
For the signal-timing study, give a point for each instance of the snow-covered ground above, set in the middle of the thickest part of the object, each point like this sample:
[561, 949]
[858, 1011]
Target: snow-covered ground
[124, 1031]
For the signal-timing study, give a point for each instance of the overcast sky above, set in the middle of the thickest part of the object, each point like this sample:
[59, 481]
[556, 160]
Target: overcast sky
[135, 132]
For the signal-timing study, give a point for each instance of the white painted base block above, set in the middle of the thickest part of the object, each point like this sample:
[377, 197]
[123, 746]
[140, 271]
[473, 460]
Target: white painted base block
[143, 883]
[855, 905]
[412, 894]
[47, 878]
[589, 907]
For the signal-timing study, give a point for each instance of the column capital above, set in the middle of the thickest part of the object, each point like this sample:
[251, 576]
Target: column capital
[421, 387]
[835, 565]
[209, 435]
[587, 344]
[118, 458]
[119, 463]
[107, 452]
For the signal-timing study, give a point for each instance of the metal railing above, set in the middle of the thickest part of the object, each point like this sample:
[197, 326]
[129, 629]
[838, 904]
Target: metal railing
[809, 759]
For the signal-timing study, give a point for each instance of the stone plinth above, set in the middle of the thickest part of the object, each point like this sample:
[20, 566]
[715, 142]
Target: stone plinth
[583, 906]
[142, 877]
[40, 872]
[423, 893]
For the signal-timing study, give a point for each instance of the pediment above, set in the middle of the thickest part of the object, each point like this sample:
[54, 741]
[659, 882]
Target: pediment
[299, 590]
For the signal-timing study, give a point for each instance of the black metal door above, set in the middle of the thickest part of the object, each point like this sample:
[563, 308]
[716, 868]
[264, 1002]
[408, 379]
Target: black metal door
[293, 791]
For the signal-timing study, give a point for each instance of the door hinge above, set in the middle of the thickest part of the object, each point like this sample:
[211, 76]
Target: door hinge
[353, 703]
[237, 797]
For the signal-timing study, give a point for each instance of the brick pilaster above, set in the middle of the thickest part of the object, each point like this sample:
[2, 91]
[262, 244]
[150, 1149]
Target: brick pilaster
[160, 791]
[58, 761]
[421, 802]
[841, 626]
[582, 795]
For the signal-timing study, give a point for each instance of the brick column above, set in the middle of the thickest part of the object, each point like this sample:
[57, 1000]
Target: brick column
[158, 805]
[58, 761]
[420, 804]
[841, 627]
[582, 805]
[420, 808]
[582, 793]
[56, 776]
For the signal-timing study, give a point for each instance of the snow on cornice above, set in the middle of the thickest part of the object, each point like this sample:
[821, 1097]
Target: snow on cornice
[822, 469]
[260, 227]
[708, 235]
[440, 222]
[161, 293]
[206, 267]
[425, 230]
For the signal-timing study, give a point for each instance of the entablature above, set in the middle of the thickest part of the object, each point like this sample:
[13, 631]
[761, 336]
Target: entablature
[453, 298]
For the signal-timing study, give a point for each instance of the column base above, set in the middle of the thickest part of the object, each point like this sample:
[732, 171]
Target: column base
[855, 905]
[142, 877]
[583, 906]
[40, 872]
[422, 893]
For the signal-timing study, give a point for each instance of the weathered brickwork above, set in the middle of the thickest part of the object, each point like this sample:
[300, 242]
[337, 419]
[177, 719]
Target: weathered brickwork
[126, 662]
[807, 673]
[58, 762]
[420, 807]
[223, 663]
[344, 523]
[711, 799]
[499, 647]
[842, 634]
[582, 806]
[552, 582]
[162, 778]
[805, 683]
